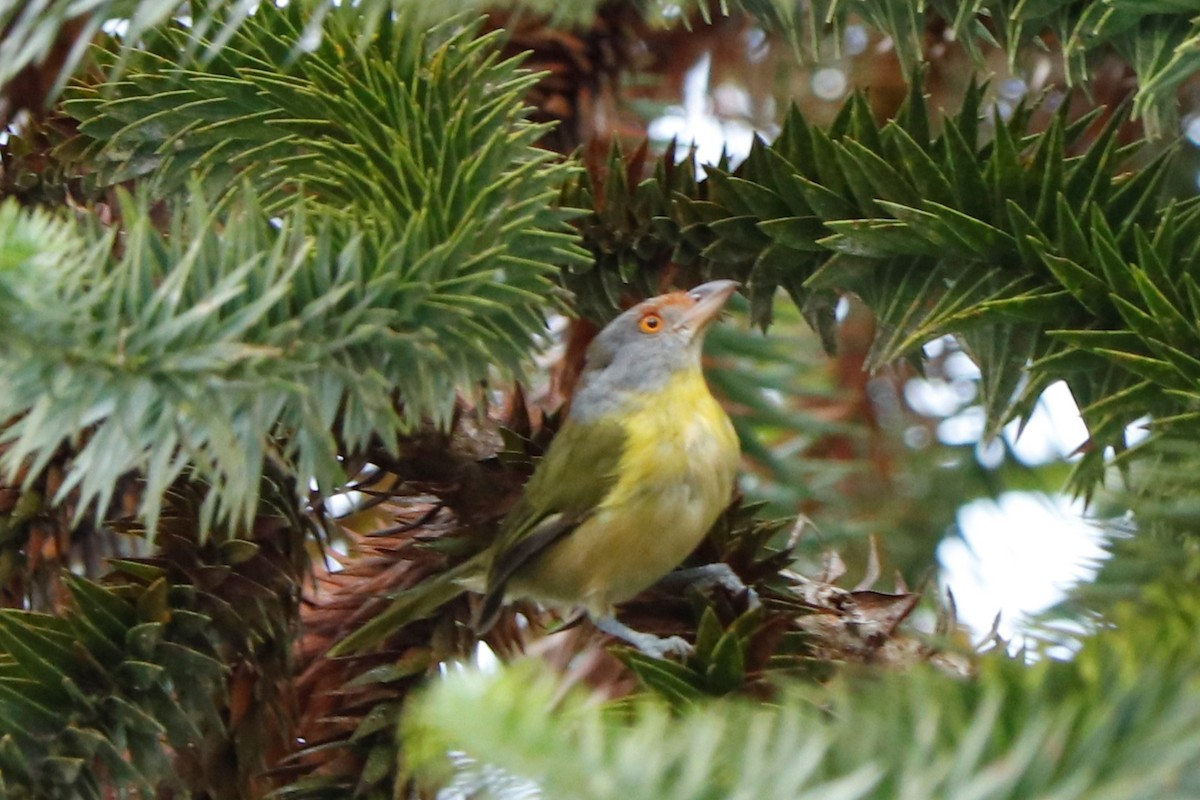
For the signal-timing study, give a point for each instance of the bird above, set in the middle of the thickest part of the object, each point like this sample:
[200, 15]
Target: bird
[641, 468]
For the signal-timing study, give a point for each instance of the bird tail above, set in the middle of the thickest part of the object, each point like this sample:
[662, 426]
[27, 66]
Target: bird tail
[415, 603]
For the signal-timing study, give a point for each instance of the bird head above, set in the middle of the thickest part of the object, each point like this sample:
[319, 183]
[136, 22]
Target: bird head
[648, 344]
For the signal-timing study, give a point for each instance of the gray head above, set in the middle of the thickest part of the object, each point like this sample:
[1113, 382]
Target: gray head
[644, 347]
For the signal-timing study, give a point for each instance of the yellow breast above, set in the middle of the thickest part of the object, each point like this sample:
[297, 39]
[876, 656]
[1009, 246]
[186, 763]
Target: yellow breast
[675, 478]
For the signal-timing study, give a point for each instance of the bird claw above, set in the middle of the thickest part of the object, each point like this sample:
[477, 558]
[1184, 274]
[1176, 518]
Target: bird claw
[654, 646]
[662, 646]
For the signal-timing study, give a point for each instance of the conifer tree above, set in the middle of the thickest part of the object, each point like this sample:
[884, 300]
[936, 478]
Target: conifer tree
[292, 296]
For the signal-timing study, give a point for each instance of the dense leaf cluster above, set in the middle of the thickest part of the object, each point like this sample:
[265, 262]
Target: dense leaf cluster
[1158, 39]
[1119, 721]
[94, 695]
[391, 243]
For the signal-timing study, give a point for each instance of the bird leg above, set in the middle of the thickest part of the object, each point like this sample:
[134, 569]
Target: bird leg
[708, 576]
[653, 646]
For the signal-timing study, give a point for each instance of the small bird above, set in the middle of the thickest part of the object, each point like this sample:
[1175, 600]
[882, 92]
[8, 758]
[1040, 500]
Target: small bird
[641, 468]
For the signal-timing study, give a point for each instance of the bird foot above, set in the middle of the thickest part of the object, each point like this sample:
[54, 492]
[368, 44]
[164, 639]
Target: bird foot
[654, 646]
[710, 575]
[663, 646]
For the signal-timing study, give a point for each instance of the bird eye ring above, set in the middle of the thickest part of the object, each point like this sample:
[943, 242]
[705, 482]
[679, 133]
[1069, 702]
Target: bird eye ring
[651, 323]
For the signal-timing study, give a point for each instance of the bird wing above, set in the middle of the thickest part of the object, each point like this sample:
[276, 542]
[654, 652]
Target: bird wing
[576, 474]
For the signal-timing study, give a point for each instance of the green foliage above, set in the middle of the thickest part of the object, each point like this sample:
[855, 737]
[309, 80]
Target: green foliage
[341, 221]
[979, 231]
[1041, 248]
[141, 684]
[1159, 39]
[655, 757]
[1119, 721]
[149, 354]
[975, 237]
[417, 141]
[239, 338]
[773, 382]
[1150, 515]
[716, 667]
[32, 30]
[102, 690]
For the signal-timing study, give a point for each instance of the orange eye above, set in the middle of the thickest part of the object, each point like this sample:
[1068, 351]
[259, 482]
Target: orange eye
[651, 323]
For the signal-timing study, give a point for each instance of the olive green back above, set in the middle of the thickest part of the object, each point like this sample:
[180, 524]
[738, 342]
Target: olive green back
[577, 472]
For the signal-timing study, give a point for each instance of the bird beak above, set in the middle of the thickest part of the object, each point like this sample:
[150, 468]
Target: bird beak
[710, 300]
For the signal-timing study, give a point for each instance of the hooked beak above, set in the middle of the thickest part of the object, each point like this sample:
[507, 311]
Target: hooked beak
[710, 300]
